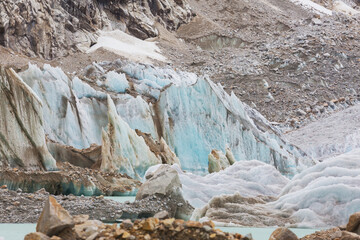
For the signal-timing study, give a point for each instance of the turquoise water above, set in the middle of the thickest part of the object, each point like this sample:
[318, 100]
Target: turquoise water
[18, 231]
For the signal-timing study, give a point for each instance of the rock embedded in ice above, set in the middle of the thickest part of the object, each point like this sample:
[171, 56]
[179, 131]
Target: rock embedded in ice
[218, 161]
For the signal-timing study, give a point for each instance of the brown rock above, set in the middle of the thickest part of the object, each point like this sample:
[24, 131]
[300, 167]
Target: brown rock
[194, 224]
[79, 219]
[36, 236]
[127, 224]
[168, 222]
[354, 222]
[283, 234]
[54, 218]
[349, 236]
[150, 224]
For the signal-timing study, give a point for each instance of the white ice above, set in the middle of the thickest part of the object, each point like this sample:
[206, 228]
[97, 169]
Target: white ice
[249, 178]
[310, 5]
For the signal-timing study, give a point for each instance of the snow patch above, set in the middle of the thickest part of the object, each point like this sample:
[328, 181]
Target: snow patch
[128, 46]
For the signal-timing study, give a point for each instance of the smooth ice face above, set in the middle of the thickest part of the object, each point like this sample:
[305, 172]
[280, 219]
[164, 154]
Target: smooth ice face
[325, 194]
[249, 178]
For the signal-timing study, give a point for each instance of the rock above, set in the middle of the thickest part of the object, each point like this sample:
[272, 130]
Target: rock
[162, 215]
[168, 222]
[54, 218]
[88, 228]
[150, 224]
[165, 183]
[36, 236]
[354, 221]
[51, 28]
[219, 161]
[79, 219]
[349, 236]
[283, 234]
[127, 224]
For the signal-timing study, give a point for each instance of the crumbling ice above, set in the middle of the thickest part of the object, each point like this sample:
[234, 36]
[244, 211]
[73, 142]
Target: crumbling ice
[320, 196]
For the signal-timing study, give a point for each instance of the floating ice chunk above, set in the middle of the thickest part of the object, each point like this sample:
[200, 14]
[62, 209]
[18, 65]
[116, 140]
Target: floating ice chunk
[116, 82]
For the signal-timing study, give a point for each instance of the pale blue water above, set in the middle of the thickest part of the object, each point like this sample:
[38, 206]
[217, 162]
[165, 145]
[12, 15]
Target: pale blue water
[18, 231]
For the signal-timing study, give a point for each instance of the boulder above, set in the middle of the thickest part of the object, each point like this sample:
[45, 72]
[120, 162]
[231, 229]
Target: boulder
[164, 185]
[36, 236]
[164, 181]
[354, 222]
[349, 236]
[283, 234]
[54, 218]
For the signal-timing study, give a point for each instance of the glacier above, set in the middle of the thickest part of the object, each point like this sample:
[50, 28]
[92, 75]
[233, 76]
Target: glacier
[257, 195]
[22, 137]
[191, 114]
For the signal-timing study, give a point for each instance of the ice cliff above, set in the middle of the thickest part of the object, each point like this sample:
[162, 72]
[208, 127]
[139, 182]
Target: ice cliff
[192, 114]
[22, 138]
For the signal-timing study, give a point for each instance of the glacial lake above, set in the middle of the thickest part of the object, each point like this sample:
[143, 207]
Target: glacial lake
[18, 231]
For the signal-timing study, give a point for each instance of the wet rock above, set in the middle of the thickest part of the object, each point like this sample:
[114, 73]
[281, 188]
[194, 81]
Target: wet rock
[54, 218]
[283, 234]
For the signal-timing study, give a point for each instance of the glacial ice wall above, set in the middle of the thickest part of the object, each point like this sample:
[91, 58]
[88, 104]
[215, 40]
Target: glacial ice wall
[192, 114]
[122, 149]
[22, 138]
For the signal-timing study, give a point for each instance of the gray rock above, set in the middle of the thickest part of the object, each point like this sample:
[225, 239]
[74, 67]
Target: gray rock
[165, 183]
[162, 215]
